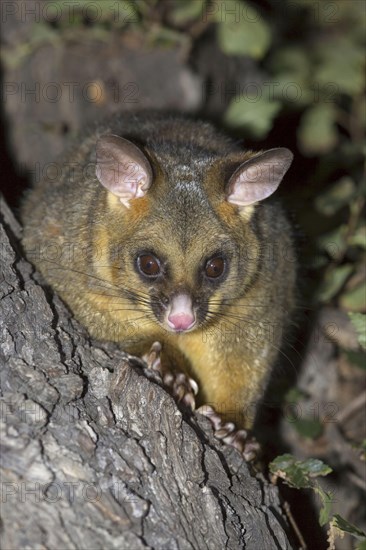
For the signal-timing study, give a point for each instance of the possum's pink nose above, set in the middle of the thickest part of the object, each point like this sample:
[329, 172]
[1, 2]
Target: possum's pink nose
[180, 315]
[181, 321]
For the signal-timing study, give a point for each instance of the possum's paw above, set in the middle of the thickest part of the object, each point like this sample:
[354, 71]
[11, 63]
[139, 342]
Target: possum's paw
[182, 388]
[153, 358]
[227, 433]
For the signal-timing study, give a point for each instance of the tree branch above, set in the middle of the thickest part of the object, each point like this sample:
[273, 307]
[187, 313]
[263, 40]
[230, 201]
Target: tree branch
[98, 455]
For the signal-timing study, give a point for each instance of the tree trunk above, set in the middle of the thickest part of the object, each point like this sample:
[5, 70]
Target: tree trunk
[95, 453]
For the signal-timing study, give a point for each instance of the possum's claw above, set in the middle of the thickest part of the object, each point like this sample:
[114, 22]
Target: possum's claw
[153, 358]
[180, 386]
[184, 390]
[227, 433]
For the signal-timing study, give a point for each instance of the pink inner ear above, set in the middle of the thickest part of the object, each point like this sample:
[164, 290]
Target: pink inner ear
[259, 177]
[122, 168]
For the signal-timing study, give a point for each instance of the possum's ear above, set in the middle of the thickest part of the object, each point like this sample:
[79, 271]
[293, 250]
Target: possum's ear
[122, 168]
[257, 178]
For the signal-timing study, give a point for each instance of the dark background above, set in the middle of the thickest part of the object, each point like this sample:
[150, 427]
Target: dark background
[271, 74]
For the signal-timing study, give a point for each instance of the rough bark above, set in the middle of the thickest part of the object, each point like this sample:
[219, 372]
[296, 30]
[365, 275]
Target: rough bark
[95, 453]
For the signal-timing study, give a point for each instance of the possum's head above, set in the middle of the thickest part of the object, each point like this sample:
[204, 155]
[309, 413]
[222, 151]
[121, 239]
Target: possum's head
[181, 245]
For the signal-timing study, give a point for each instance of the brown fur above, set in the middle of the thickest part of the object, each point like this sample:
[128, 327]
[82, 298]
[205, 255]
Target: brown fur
[183, 216]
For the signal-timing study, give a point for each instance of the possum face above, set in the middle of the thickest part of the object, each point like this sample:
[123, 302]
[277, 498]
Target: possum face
[186, 249]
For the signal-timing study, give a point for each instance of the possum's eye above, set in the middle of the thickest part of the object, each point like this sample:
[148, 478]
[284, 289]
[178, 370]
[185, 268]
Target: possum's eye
[215, 267]
[148, 265]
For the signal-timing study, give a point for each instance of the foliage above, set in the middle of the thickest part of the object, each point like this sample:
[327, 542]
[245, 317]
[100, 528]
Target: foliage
[241, 30]
[256, 115]
[302, 474]
[320, 75]
[359, 322]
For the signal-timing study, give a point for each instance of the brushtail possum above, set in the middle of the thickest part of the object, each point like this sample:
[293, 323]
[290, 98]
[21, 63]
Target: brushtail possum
[159, 228]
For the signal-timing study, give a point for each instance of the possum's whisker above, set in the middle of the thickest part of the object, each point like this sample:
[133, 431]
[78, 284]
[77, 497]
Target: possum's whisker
[278, 349]
[102, 282]
[123, 299]
[253, 321]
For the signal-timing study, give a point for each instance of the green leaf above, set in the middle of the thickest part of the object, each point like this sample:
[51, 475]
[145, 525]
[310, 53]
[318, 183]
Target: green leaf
[342, 63]
[358, 320]
[291, 83]
[292, 60]
[348, 527]
[335, 198]
[316, 467]
[282, 462]
[291, 89]
[326, 503]
[361, 545]
[334, 242]
[308, 427]
[355, 299]
[324, 513]
[359, 237]
[325, 510]
[297, 473]
[242, 30]
[189, 10]
[334, 281]
[255, 115]
[317, 133]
